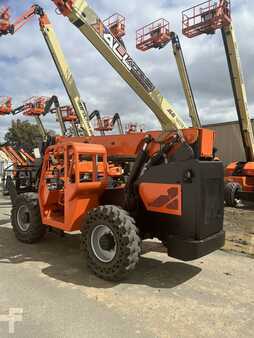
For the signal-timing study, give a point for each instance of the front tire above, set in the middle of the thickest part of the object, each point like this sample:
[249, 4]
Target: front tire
[26, 219]
[231, 190]
[111, 242]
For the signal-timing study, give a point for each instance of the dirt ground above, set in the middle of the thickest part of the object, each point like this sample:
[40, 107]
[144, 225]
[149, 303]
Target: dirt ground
[163, 298]
[239, 226]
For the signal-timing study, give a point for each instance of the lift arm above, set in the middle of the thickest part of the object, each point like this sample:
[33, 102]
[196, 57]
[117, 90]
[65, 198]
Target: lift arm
[157, 35]
[97, 114]
[60, 62]
[206, 18]
[117, 119]
[53, 101]
[239, 90]
[90, 25]
[182, 69]
[13, 155]
[29, 109]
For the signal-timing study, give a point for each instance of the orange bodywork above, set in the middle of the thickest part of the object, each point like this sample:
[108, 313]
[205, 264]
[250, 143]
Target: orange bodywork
[5, 105]
[245, 178]
[206, 18]
[26, 155]
[129, 145]
[207, 138]
[162, 198]
[83, 170]
[154, 35]
[35, 106]
[75, 174]
[4, 20]
[65, 6]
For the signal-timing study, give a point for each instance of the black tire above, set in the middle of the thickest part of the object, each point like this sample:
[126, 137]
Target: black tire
[126, 242]
[230, 194]
[30, 230]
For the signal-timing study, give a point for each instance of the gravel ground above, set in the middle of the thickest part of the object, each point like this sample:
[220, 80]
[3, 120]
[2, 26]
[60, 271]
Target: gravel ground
[59, 297]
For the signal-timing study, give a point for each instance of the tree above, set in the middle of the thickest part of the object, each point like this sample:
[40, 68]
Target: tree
[23, 134]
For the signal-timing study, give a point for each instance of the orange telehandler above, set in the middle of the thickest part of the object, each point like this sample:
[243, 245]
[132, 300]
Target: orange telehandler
[118, 190]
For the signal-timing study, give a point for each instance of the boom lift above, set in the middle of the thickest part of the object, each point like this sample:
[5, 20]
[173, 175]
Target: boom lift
[206, 18]
[64, 114]
[59, 60]
[157, 35]
[123, 188]
[89, 24]
[34, 107]
[106, 123]
[116, 25]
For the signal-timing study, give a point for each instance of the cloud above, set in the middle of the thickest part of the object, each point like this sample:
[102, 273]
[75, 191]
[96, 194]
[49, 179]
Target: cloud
[27, 69]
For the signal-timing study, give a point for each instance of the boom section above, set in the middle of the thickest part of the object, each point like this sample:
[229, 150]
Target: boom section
[92, 27]
[239, 89]
[66, 75]
[206, 18]
[182, 69]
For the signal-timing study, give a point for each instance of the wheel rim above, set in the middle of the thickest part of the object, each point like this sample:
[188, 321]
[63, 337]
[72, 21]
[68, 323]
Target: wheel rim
[103, 243]
[23, 218]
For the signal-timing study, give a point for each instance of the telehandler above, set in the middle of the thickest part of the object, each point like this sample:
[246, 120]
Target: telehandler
[118, 190]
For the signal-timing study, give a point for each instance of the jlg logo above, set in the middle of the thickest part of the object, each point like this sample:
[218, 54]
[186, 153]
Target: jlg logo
[118, 49]
[131, 65]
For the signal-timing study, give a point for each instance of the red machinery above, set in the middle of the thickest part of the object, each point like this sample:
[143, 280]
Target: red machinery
[35, 106]
[107, 123]
[206, 18]
[155, 35]
[66, 114]
[27, 156]
[4, 20]
[5, 105]
[116, 24]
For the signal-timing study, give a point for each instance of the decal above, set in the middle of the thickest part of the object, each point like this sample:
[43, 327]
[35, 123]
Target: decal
[129, 63]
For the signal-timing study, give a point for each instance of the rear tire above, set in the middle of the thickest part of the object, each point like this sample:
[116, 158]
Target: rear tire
[111, 242]
[230, 193]
[26, 219]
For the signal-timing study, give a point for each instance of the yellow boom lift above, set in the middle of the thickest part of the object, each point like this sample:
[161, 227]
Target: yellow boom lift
[157, 35]
[59, 60]
[206, 18]
[112, 49]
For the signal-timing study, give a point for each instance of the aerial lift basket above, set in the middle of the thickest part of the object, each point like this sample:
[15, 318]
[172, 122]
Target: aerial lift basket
[4, 20]
[155, 35]
[206, 18]
[116, 24]
[5, 105]
[35, 106]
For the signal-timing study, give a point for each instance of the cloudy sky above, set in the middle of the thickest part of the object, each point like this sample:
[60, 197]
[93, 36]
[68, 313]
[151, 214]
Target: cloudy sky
[26, 68]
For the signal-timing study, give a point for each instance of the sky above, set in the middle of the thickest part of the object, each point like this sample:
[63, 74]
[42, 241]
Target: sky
[27, 69]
